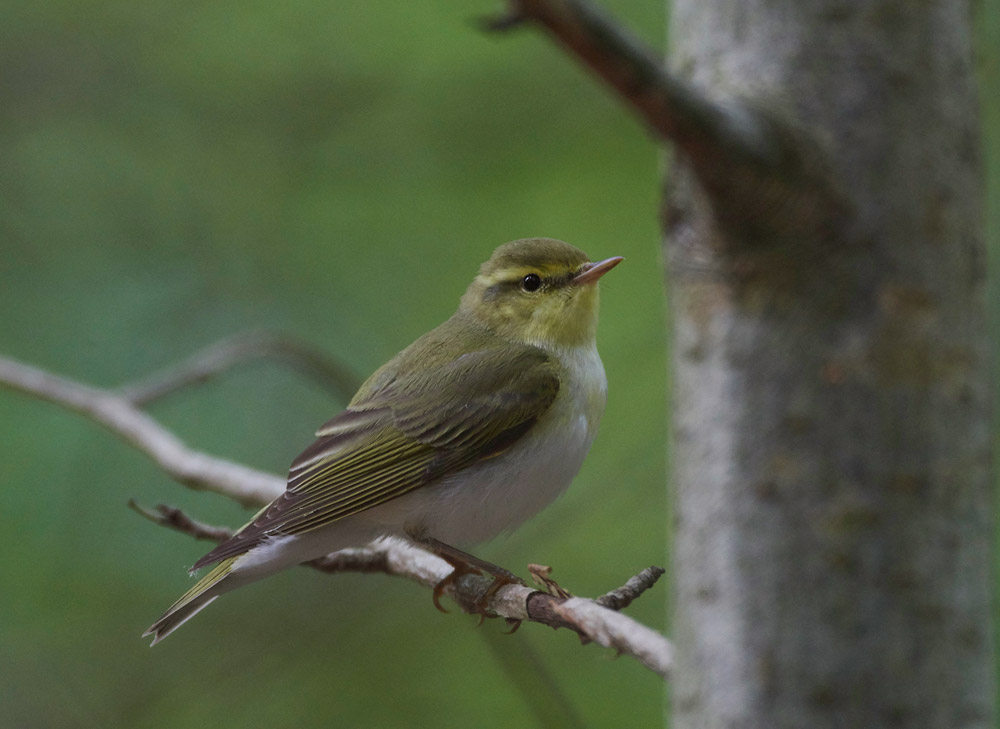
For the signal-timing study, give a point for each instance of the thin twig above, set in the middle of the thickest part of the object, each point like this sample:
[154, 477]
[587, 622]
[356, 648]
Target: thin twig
[222, 356]
[541, 574]
[622, 597]
[173, 518]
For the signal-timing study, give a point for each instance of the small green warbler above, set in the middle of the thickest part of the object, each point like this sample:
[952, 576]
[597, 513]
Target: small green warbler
[466, 433]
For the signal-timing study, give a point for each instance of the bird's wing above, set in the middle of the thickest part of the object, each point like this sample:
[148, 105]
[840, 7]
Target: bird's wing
[412, 432]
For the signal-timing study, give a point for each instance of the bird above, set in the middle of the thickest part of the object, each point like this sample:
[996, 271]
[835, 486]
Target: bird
[464, 435]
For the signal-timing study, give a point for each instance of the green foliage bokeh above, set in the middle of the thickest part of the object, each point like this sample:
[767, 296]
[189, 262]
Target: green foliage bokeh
[173, 173]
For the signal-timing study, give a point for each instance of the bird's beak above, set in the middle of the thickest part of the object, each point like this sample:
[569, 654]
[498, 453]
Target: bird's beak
[593, 271]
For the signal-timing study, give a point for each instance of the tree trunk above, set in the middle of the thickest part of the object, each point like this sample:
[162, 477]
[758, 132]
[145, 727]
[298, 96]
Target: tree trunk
[832, 410]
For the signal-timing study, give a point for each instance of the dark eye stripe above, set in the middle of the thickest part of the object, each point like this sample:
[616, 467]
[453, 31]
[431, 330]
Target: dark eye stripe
[550, 282]
[494, 291]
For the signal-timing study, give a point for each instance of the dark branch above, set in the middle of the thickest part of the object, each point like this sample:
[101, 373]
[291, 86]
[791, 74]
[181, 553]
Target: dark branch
[499, 23]
[673, 109]
[173, 518]
[222, 356]
[764, 177]
[624, 596]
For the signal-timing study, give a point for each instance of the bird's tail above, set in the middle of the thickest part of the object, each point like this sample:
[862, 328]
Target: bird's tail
[191, 602]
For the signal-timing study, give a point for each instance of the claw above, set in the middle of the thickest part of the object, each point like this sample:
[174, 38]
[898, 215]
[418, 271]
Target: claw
[513, 624]
[463, 563]
[457, 570]
[439, 590]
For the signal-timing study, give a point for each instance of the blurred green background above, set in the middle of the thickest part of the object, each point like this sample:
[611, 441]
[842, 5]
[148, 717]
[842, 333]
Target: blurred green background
[172, 173]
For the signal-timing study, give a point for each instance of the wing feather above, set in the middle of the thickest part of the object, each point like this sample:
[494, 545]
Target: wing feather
[414, 431]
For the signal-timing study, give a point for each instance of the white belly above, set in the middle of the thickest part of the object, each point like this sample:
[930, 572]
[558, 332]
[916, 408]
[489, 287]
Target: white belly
[499, 495]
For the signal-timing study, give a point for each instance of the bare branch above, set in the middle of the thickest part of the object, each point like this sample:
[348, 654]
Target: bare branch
[764, 176]
[194, 469]
[173, 518]
[222, 356]
[613, 630]
[624, 596]
[391, 556]
[592, 621]
[673, 109]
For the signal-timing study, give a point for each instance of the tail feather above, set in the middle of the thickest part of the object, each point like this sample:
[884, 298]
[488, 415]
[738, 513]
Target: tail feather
[191, 602]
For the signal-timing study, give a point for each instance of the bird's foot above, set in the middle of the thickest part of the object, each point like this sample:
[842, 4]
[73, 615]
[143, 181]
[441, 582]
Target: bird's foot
[459, 569]
[462, 564]
[501, 578]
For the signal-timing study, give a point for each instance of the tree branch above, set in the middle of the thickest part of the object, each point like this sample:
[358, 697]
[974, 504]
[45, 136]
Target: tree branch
[173, 518]
[761, 172]
[222, 356]
[592, 621]
[194, 469]
[622, 597]
[673, 109]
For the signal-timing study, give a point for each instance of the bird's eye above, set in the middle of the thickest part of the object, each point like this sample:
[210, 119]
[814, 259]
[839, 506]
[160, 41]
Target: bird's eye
[531, 282]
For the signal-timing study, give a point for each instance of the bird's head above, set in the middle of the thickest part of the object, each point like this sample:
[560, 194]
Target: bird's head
[540, 291]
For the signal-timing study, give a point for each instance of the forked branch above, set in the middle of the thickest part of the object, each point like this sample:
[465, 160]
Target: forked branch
[764, 175]
[673, 109]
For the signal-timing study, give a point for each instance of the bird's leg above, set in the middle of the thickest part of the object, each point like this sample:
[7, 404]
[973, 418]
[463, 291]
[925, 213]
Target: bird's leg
[464, 563]
[459, 568]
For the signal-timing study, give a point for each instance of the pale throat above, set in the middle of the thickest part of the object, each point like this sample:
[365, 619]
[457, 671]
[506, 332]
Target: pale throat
[588, 383]
[565, 323]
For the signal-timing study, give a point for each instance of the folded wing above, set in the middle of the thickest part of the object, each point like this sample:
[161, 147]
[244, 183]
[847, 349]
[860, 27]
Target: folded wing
[412, 432]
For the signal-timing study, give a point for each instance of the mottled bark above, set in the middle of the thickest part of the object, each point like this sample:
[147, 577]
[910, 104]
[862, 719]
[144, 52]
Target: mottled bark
[832, 442]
